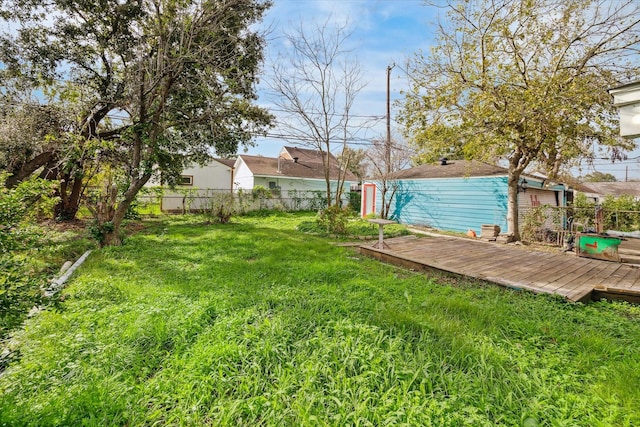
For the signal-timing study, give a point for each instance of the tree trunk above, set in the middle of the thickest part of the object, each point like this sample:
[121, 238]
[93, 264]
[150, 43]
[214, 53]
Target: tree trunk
[383, 203]
[512, 206]
[111, 235]
[329, 197]
[69, 204]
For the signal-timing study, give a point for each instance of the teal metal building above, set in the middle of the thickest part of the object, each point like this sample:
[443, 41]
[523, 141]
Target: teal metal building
[459, 195]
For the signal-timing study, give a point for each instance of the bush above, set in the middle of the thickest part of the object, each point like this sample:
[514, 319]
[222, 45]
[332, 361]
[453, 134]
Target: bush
[18, 292]
[334, 219]
[620, 213]
[355, 198]
[220, 207]
[18, 206]
[98, 231]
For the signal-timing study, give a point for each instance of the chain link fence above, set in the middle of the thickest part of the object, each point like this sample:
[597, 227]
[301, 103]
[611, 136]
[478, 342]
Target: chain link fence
[239, 201]
[551, 224]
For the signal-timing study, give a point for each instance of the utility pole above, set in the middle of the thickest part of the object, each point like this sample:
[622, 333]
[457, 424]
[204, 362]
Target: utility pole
[387, 151]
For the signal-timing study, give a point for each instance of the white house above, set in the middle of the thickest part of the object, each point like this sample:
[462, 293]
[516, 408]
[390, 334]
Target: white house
[197, 182]
[295, 173]
[295, 178]
[627, 99]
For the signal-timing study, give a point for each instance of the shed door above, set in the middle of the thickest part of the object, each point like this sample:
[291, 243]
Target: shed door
[368, 199]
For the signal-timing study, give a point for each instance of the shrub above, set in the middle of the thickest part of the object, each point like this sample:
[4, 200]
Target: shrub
[220, 207]
[18, 292]
[334, 219]
[99, 230]
[355, 198]
[19, 205]
[620, 213]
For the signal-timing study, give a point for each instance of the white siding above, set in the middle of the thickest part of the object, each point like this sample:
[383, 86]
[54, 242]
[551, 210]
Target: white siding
[213, 176]
[243, 177]
[535, 197]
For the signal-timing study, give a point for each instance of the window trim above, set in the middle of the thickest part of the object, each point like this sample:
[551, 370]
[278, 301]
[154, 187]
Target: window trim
[189, 180]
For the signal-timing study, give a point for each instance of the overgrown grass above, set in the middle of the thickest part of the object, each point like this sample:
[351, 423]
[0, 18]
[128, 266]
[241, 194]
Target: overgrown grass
[356, 227]
[255, 323]
[27, 268]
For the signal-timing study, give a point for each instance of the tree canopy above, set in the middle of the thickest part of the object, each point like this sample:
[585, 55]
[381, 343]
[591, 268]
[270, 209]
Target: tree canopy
[153, 84]
[599, 177]
[524, 82]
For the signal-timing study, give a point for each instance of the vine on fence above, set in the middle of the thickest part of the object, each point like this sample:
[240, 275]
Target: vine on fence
[620, 213]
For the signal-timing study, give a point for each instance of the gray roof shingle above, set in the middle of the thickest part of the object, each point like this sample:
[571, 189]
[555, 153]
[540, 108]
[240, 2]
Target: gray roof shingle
[268, 166]
[453, 169]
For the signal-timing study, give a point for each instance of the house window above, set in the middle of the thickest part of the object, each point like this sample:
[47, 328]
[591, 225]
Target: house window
[274, 188]
[186, 179]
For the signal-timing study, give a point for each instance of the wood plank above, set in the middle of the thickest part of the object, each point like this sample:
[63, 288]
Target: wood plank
[529, 273]
[636, 283]
[621, 281]
[581, 290]
[507, 269]
[494, 256]
[462, 261]
[618, 278]
[573, 277]
[573, 269]
[450, 254]
[550, 272]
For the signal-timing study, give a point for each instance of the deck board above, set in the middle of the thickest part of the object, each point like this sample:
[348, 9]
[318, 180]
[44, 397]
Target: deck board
[506, 265]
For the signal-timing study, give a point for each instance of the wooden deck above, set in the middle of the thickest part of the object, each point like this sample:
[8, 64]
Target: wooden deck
[577, 279]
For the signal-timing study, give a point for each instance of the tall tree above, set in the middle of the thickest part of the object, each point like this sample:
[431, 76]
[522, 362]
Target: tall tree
[315, 84]
[523, 81]
[159, 83]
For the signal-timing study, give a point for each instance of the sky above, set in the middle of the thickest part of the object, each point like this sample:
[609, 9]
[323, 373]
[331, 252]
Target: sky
[384, 33]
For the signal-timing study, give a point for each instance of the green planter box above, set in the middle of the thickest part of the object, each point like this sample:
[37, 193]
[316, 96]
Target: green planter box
[598, 246]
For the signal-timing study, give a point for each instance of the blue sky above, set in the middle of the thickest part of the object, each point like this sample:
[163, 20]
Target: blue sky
[384, 32]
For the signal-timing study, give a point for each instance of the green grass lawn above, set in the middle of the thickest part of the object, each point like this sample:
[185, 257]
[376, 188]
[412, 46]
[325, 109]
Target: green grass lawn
[255, 323]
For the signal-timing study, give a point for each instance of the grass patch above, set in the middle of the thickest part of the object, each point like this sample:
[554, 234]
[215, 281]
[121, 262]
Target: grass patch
[26, 270]
[356, 227]
[255, 323]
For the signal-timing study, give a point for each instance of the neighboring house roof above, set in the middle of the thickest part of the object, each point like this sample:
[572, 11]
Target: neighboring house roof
[625, 87]
[452, 169]
[274, 167]
[610, 188]
[227, 162]
[305, 155]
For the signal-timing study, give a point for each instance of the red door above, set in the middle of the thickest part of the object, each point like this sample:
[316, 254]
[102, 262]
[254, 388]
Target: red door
[368, 199]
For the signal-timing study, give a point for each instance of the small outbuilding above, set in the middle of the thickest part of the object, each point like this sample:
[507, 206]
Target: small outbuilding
[460, 195]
